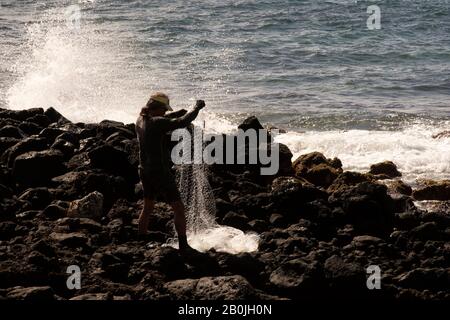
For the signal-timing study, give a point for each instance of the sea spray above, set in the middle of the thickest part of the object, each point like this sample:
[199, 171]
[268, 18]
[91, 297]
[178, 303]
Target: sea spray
[204, 232]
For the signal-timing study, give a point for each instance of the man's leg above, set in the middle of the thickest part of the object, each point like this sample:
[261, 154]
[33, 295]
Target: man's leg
[180, 224]
[145, 215]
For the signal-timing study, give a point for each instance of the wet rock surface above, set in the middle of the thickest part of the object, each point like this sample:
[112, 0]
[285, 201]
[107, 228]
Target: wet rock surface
[69, 195]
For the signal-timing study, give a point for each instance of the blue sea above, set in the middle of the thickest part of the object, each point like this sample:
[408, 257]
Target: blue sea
[313, 68]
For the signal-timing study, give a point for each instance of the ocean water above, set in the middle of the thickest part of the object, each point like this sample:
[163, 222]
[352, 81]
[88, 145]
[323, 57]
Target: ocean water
[310, 67]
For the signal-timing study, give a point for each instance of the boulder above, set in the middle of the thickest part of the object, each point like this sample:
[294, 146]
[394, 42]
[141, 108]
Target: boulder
[289, 192]
[285, 158]
[346, 179]
[50, 134]
[30, 128]
[20, 115]
[345, 277]
[31, 293]
[38, 167]
[91, 206]
[55, 117]
[400, 187]
[114, 161]
[211, 288]
[435, 190]
[12, 132]
[39, 119]
[426, 278]
[295, 277]
[7, 142]
[251, 123]
[317, 169]
[71, 240]
[387, 169]
[367, 206]
[39, 198]
[235, 220]
[29, 144]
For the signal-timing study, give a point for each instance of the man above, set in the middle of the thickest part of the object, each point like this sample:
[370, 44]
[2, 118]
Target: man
[152, 128]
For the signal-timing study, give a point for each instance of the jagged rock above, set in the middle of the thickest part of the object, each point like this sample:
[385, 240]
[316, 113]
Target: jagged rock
[7, 230]
[258, 225]
[71, 240]
[289, 192]
[12, 132]
[30, 128]
[365, 241]
[72, 185]
[54, 211]
[168, 260]
[401, 188]
[50, 134]
[285, 159]
[29, 144]
[66, 148]
[39, 198]
[295, 276]
[344, 276]
[251, 123]
[93, 296]
[7, 142]
[346, 179]
[426, 278]
[435, 190]
[367, 206]
[55, 116]
[31, 293]
[386, 168]
[114, 161]
[38, 167]
[40, 119]
[254, 206]
[235, 220]
[20, 115]
[426, 231]
[211, 288]
[317, 169]
[91, 206]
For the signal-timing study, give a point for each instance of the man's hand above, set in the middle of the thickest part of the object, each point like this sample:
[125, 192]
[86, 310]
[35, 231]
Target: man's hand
[200, 104]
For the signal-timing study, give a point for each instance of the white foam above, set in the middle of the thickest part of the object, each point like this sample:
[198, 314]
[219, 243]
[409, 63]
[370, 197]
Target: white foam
[413, 149]
[224, 239]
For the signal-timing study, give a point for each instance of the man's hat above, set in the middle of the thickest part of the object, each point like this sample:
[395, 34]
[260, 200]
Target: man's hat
[162, 98]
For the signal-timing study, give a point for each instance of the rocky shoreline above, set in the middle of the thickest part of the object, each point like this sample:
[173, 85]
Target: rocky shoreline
[70, 195]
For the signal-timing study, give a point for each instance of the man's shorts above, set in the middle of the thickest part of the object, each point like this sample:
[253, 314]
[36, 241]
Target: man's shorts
[157, 183]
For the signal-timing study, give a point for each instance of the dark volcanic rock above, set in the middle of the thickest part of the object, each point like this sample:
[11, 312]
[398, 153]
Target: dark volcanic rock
[210, 288]
[29, 144]
[386, 168]
[345, 277]
[251, 123]
[435, 190]
[367, 206]
[11, 132]
[20, 115]
[317, 169]
[55, 116]
[114, 161]
[38, 167]
[296, 277]
[289, 192]
[31, 294]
